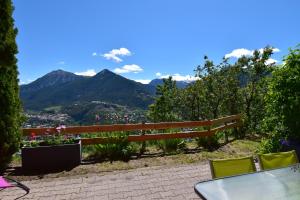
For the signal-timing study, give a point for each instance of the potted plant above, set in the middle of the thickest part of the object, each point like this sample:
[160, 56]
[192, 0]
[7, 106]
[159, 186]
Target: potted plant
[51, 152]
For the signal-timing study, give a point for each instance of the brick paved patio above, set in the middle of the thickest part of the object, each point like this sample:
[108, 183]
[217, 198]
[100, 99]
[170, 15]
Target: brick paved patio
[162, 182]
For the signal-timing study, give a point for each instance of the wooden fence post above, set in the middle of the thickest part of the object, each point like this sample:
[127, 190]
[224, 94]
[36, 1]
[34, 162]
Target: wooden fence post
[236, 130]
[143, 147]
[209, 127]
[226, 134]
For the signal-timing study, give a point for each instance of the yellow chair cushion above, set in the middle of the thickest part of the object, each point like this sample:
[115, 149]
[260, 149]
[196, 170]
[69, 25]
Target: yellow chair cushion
[277, 160]
[231, 167]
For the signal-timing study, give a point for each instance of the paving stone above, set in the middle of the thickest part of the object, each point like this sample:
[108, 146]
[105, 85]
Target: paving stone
[175, 182]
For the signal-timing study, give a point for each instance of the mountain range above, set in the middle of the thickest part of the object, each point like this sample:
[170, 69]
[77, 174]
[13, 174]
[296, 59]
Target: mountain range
[179, 84]
[61, 88]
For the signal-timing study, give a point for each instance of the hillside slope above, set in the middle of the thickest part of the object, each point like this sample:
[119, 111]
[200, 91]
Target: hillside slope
[60, 88]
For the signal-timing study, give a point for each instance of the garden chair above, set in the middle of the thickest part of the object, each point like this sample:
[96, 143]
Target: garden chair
[277, 160]
[230, 167]
[7, 183]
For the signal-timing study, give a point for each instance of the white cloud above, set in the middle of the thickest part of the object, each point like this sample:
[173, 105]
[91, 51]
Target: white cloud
[158, 74]
[128, 68]
[237, 53]
[144, 81]
[112, 57]
[89, 72]
[275, 50]
[116, 53]
[94, 54]
[271, 61]
[61, 62]
[178, 77]
[25, 82]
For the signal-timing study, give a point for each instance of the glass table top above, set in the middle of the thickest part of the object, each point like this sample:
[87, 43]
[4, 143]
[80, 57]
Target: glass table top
[283, 183]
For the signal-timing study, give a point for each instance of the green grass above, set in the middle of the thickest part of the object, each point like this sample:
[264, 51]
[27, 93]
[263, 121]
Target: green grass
[155, 157]
[191, 153]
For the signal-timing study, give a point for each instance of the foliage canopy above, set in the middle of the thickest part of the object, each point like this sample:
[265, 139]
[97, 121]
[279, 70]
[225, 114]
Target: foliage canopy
[10, 117]
[283, 103]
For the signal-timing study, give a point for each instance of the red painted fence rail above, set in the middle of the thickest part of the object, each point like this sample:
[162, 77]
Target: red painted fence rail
[212, 127]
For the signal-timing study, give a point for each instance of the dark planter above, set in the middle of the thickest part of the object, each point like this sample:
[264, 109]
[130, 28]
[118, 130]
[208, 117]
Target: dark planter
[55, 157]
[288, 145]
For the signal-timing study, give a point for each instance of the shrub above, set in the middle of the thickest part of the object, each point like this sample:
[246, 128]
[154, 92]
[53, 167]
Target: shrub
[117, 151]
[10, 109]
[269, 145]
[171, 145]
[117, 148]
[283, 103]
[209, 142]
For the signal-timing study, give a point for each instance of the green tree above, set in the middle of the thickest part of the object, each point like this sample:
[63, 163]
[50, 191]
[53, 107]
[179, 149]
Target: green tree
[241, 87]
[192, 103]
[283, 103]
[9, 90]
[255, 70]
[232, 94]
[165, 107]
[213, 87]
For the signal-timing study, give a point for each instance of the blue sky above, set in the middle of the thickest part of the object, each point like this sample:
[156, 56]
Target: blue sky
[146, 39]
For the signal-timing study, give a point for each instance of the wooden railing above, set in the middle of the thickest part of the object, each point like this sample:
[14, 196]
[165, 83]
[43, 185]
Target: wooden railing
[212, 126]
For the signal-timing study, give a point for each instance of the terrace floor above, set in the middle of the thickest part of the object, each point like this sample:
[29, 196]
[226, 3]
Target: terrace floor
[160, 182]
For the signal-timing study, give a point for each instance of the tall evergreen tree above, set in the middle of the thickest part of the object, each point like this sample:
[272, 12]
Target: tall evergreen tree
[10, 108]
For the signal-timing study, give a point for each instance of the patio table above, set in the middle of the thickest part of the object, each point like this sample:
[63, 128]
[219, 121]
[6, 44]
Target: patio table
[283, 183]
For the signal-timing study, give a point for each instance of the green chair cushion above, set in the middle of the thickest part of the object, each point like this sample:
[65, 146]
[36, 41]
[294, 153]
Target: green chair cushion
[231, 167]
[277, 160]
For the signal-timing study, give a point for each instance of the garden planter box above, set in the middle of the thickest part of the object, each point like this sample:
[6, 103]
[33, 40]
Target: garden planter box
[55, 157]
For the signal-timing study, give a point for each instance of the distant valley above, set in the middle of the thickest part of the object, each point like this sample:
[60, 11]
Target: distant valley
[83, 98]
